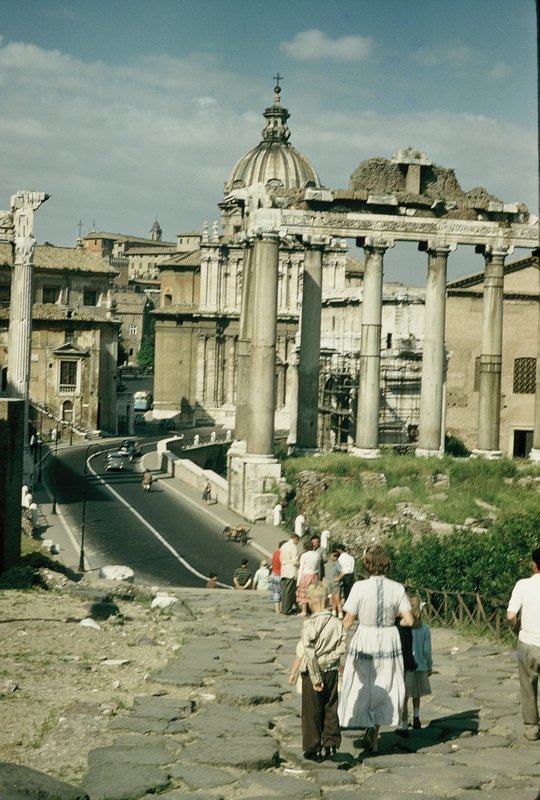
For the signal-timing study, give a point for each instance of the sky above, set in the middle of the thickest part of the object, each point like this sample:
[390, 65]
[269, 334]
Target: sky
[125, 111]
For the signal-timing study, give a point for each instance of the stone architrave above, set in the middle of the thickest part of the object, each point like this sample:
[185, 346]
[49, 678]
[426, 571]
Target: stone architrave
[23, 206]
[489, 399]
[367, 416]
[310, 346]
[431, 435]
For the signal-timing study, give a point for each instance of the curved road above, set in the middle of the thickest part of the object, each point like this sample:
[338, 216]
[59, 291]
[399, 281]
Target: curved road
[163, 538]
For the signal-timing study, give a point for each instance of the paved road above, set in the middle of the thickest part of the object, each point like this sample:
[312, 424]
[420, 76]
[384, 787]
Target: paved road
[162, 537]
[219, 720]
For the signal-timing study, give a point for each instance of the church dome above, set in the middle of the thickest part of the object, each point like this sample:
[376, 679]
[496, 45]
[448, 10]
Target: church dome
[274, 162]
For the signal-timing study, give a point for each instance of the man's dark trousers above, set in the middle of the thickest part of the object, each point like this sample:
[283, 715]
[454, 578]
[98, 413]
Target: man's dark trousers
[320, 724]
[288, 595]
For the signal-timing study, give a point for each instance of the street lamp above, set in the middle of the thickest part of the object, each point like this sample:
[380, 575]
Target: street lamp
[53, 507]
[83, 517]
[39, 444]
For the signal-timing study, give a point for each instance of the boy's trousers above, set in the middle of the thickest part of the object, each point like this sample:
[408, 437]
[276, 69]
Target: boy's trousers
[320, 724]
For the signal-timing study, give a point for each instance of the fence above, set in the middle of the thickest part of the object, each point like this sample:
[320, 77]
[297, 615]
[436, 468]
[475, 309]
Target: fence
[458, 608]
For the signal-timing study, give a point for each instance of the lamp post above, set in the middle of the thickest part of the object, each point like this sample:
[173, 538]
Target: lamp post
[53, 507]
[83, 517]
[39, 445]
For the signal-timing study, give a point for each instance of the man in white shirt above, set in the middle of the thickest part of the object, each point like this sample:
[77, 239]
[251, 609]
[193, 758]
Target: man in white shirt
[525, 600]
[289, 571]
[346, 576]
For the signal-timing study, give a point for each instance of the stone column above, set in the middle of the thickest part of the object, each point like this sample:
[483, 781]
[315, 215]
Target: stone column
[244, 347]
[367, 416]
[292, 377]
[489, 402]
[310, 346]
[430, 437]
[23, 205]
[534, 455]
[260, 433]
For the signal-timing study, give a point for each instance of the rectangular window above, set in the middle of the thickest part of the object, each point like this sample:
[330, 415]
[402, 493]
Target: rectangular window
[133, 330]
[524, 375]
[51, 294]
[89, 297]
[5, 294]
[68, 376]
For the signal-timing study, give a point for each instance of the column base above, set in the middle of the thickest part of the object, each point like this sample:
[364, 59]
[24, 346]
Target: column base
[365, 452]
[425, 452]
[534, 455]
[252, 483]
[489, 455]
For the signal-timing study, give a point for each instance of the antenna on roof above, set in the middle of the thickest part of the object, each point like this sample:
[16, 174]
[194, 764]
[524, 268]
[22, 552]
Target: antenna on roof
[79, 225]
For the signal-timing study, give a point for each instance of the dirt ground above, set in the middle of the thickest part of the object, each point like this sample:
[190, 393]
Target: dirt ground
[60, 681]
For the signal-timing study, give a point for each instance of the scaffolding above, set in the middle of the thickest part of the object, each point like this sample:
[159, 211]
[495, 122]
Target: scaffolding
[399, 402]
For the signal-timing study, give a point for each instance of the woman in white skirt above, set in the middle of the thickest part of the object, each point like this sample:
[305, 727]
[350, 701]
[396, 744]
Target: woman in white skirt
[373, 689]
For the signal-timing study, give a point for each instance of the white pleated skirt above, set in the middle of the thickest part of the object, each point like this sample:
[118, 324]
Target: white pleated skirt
[373, 689]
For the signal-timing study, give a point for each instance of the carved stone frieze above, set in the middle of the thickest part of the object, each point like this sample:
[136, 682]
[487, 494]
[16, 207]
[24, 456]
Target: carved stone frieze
[499, 235]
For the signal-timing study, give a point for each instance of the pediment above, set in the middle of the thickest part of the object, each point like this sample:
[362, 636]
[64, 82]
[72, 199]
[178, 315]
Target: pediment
[70, 349]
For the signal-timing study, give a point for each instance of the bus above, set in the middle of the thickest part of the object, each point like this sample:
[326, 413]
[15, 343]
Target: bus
[142, 401]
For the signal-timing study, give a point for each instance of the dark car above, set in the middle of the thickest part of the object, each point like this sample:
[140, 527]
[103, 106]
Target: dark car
[130, 448]
[167, 425]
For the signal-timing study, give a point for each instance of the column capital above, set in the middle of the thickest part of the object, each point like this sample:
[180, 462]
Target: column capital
[266, 235]
[436, 248]
[315, 242]
[490, 251]
[375, 244]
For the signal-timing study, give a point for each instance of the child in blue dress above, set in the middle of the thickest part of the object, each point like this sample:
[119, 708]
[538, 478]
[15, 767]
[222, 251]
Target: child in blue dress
[417, 681]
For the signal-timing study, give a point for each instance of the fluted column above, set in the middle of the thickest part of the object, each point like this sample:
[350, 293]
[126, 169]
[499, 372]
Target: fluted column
[367, 416]
[430, 437]
[489, 402]
[244, 346]
[262, 378]
[310, 346]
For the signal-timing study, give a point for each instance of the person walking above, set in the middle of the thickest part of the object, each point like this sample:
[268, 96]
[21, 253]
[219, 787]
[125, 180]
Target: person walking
[373, 691]
[324, 642]
[207, 492]
[147, 480]
[308, 573]
[418, 672]
[524, 607]
[346, 575]
[289, 571]
[275, 578]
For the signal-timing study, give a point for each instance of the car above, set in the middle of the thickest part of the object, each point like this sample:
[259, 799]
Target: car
[130, 448]
[167, 425]
[115, 462]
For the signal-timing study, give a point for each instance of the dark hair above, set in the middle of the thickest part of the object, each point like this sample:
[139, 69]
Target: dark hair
[213, 575]
[282, 542]
[340, 547]
[315, 536]
[536, 557]
[244, 562]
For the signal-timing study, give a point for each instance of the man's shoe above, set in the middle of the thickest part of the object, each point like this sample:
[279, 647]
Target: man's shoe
[314, 755]
[531, 732]
[403, 732]
[416, 723]
[329, 751]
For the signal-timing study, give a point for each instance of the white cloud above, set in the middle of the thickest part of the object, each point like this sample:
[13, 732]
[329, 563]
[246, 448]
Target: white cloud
[314, 45]
[159, 136]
